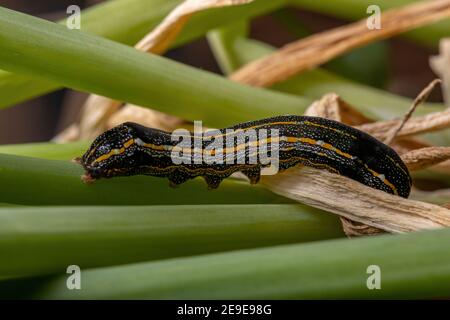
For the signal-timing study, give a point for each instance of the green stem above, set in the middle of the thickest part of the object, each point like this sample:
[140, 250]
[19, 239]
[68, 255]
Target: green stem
[46, 150]
[88, 63]
[36, 241]
[127, 21]
[222, 43]
[410, 266]
[137, 17]
[30, 181]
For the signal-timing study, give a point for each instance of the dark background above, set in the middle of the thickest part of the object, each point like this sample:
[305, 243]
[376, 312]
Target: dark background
[41, 118]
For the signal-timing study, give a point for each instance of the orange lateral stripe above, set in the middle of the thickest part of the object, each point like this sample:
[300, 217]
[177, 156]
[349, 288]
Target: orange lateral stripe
[114, 152]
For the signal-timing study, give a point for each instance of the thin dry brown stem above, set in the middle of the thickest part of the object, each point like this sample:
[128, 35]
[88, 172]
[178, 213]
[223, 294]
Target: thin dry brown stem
[421, 98]
[317, 49]
[431, 122]
[426, 157]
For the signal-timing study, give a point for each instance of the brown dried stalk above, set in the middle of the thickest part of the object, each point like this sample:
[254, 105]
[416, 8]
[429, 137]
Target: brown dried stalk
[319, 48]
[355, 201]
[405, 145]
[431, 122]
[426, 157]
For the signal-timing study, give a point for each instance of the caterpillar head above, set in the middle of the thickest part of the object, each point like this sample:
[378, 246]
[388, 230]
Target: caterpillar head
[110, 153]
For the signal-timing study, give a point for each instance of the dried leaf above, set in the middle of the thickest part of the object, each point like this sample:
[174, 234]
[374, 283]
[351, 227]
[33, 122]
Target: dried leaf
[356, 229]
[317, 49]
[407, 144]
[146, 117]
[165, 33]
[331, 106]
[95, 112]
[425, 157]
[420, 151]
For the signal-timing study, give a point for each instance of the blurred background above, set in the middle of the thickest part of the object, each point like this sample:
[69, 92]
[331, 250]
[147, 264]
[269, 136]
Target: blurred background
[395, 65]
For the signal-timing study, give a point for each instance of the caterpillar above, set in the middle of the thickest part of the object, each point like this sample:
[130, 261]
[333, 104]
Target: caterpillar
[132, 149]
